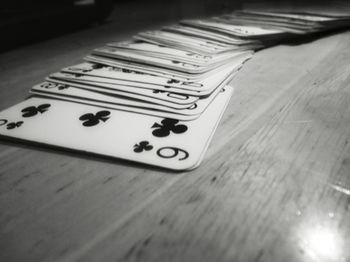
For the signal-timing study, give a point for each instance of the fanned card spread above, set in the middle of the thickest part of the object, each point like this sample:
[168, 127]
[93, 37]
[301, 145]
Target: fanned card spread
[157, 98]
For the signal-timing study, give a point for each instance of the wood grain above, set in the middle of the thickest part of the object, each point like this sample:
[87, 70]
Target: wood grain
[273, 186]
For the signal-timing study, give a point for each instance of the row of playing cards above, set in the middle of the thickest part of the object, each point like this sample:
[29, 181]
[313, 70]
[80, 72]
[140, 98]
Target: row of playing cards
[158, 98]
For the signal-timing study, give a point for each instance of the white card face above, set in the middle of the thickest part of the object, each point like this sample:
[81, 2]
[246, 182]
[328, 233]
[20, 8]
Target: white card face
[162, 51]
[165, 73]
[110, 106]
[156, 50]
[215, 45]
[85, 73]
[269, 22]
[66, 90]
[152, 96]
[191, 31]
[156, 141]
[198, 45]
[154, 61]
[121, 76]
[269, 17]
[233, 61]
[152, 70]
[69, 93]
[191, 47]
[239, 30]
[296, 16]
[192, 67]
[105, 71]
[115, 84]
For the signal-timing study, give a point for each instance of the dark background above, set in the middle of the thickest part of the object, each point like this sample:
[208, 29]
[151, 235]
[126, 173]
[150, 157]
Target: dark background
[23, 22]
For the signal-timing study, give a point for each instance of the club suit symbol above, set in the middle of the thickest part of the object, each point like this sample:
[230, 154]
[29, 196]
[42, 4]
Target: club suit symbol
[94, 119]
[49, 85]
[173, 81]
[158, 91]
[62, 87]
[142, 146]
[128, 71]
[14, 125]
[34, 110]
[168, 125]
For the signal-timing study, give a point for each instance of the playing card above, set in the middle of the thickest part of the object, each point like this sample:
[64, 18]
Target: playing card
[305, 21]
[269, 17]
[177, 64]
[116, 85]
[152, 96]
[167, 73]
[163, 142]
[241, 44]
[67, 90]
[305, 17]
[319, 20]
[151, 70]
[266, 22]
[126, 108]
[161, 51]
[126, 104]
[108, 75]
[242, 31]
[156, 99]
[184, 42]
[171, 53]
[148, 60]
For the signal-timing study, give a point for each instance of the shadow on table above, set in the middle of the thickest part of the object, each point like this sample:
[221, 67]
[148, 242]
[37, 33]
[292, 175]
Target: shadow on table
[308, 38]
[24, 144]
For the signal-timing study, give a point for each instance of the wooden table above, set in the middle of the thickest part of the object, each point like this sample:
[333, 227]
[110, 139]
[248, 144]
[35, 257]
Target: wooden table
[273, 186]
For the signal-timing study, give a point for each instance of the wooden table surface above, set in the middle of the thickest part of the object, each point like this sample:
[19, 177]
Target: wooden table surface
[274, 184]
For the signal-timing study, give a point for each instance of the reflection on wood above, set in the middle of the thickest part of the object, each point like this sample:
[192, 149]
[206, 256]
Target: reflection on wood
[274, 185]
